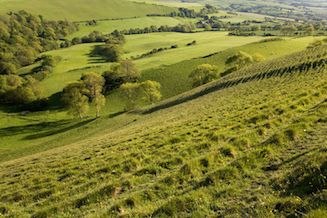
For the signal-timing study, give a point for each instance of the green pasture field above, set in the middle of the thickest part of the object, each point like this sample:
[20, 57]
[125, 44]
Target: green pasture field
[81, 56]
[75, 58]
[173, 78]
[254, 136]
[84, 10]
[177, 4]
[109, 26]
[250, 16]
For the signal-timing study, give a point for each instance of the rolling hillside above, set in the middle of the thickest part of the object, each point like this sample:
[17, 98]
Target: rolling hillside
[84, 10]
[250, 144]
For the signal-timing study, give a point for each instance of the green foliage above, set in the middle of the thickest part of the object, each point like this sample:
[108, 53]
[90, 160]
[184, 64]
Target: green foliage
[151, 91]
[112, 52]
[94, 83]
[241, 59]
[316, 42]
[75, 98]
[24, 35]
[203, 74]
[309, 30]
[131, 92]
[129, 71]
[289, 29]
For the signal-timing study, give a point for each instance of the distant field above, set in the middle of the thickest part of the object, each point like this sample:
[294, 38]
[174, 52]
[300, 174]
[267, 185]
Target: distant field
[250, 16]
[111, 25]
[177, 4]
[80, 56]
[207, 43]
[83, 10]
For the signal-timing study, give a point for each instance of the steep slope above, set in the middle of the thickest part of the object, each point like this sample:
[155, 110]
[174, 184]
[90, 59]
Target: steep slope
[249, 144]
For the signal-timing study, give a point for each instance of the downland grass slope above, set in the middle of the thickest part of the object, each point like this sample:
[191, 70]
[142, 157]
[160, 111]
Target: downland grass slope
[252, 143]
[171, 68]
[83, 9]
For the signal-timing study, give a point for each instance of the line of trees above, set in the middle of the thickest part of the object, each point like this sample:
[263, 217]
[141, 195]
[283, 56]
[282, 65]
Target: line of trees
[190, 13]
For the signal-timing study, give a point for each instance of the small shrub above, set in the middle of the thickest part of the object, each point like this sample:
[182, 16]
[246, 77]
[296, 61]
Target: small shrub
[242, 142]
[228, 172]
[228, 151]
[262, 131]
[175, 140]
[4, 210]
[149, 170]
[276, 139]
[186, 170]
[205, 145]
[204, 162]
[130, 202]
[169, 180]
[41, 214]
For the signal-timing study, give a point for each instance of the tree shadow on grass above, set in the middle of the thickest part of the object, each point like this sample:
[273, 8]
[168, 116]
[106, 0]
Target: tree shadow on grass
[55, 103]
[61, 126]
[55, 132]
[94, 57]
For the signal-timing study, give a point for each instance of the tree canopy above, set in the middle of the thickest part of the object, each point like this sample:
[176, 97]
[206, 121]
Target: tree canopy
[203, 74]
[94, 83]
[74, 96]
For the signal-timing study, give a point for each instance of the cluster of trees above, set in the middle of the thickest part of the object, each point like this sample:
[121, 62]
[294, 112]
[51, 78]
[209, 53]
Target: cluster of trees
[206, 73]
[24, 35]
[25, 92]
[47, 66]
[113, 49]
[92, 87]
[77, 94]
[148, 91]
[185, 12]
[91, 23]
[120, 73]
[184, 28]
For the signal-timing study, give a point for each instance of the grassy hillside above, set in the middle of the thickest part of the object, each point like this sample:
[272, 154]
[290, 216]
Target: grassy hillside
[110, 25]
[249, 144]
[163, 66]
[83, 10]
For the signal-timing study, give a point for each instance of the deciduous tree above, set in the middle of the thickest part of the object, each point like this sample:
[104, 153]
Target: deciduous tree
[129, 71]
[94, 83]
[131, 92]
[151, 91]
[241, 59]
[203, 74]
[75, 98]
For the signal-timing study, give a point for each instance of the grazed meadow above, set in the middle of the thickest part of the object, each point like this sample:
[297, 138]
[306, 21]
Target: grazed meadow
[249, 144]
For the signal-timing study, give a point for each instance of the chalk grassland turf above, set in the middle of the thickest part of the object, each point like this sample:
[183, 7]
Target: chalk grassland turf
[83, 9]
[251, 143]
[80, 56]
[174, 80]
